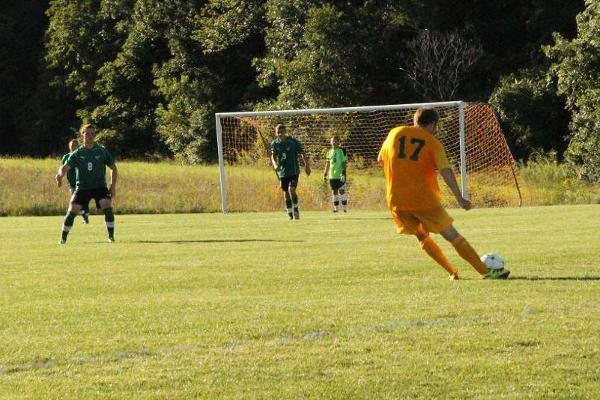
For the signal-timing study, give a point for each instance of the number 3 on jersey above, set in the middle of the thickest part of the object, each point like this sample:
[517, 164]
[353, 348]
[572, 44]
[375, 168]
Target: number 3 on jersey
[414, 156]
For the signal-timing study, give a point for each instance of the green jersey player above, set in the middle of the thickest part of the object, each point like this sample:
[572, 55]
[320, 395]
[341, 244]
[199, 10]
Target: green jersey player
[72, 179]
[90, 162]
[335, 172]
[285, 151]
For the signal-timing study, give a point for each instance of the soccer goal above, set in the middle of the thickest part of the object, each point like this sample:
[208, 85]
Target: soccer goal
[471, 133]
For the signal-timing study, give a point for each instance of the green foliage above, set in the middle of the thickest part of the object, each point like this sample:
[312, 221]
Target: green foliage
[228, 23]
[534, 118]
[322, 73]
[325, 55]
[120, 64]
[577, 71]
[126, 84]
[184, 121]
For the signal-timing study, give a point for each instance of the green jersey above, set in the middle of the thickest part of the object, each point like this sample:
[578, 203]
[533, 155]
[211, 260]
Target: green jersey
[286, 153]
[71, 175]
[91, 166]
[337, 162]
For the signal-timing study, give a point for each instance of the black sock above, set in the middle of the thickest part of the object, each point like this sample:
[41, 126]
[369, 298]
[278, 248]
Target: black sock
[109, 219]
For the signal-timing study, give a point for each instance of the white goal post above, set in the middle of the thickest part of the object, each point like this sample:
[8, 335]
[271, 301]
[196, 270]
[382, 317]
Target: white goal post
[470, 133]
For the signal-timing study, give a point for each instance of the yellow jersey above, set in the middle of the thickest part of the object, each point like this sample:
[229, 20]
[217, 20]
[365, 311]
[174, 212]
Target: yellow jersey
[411, 157]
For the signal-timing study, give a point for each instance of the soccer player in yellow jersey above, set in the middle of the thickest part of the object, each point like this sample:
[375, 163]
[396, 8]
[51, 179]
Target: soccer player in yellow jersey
[411, 156]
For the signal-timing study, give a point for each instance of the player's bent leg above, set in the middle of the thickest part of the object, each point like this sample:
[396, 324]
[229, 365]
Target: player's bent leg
[85, 213]
[464, 249]
[74, 209]
[431, 248]
[109, 218]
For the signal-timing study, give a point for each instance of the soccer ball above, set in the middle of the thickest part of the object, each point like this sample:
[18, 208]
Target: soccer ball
[492, 261]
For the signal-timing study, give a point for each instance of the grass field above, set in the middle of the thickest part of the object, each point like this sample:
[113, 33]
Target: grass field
[253, 306]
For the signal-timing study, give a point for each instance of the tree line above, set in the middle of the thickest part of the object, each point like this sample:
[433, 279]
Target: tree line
[152, 73]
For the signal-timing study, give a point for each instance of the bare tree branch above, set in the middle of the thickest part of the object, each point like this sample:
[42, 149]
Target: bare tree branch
[436, 63]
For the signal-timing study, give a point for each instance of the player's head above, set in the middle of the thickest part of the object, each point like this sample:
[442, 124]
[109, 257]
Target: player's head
[334, 141]
[87, 133]
[426, 118]
[280, 132]
[73, 144]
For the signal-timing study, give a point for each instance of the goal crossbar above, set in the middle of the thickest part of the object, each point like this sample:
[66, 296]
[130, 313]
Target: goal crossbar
[337, 110]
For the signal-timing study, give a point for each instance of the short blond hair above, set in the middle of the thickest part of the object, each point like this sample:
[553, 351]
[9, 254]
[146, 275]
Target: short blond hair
[86, 126]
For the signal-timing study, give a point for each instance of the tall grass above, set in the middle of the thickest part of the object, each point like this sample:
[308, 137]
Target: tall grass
[553, 183]
[28, 188]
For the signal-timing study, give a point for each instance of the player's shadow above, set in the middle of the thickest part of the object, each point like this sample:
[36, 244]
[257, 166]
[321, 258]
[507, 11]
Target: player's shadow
[341, 218]
[555, 278]
[218, 241]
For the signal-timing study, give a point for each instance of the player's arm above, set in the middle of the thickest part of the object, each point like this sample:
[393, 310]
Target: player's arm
[450, 180]
[274, 161]
[441, 162]
[344, 164]
[381, 154]
[62, 172]
[326, 169]
[114, 173]
[305, 160]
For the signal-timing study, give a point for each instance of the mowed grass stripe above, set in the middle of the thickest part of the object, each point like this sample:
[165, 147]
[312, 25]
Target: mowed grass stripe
[331, 306]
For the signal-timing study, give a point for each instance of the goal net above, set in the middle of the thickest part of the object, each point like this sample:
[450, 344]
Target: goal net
[471, 133]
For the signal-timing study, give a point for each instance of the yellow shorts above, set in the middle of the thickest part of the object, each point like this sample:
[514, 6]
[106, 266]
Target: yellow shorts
[434, 220]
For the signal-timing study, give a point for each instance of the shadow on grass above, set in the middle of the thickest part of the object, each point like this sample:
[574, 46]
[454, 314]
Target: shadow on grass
[217, 241]
[554, 278]
[360, 218]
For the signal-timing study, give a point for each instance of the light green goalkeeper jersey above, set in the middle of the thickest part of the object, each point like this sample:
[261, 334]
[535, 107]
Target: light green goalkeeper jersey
[91, 166]
[337, 160]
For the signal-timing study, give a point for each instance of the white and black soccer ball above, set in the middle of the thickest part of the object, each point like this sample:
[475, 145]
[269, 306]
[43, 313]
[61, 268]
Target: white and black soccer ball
[492, 261]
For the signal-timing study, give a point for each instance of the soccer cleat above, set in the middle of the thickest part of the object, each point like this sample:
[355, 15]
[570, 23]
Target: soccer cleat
[296, 214]
[62, 241]
[111, 239]
[497, 274]
[454, 277]
[86, 218]
[291, 216]
[335, 210]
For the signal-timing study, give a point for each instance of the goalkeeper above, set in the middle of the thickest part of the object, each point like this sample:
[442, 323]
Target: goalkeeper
[335, 172]
[411, 157]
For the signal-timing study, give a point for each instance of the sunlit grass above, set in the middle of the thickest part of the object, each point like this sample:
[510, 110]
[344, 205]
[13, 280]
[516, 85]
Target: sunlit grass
[253, 306]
